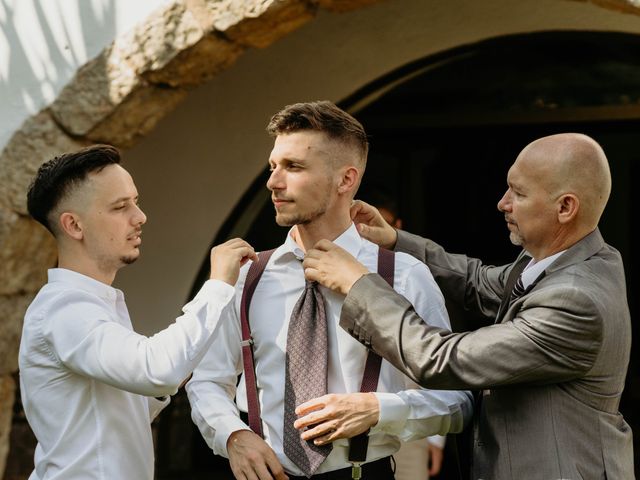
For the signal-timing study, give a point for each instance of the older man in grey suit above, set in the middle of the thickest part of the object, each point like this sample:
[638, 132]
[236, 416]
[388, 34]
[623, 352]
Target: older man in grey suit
[553, 366]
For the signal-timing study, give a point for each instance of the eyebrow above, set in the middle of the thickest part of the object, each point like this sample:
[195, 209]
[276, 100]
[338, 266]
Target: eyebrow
[124, 199]
[288, 160]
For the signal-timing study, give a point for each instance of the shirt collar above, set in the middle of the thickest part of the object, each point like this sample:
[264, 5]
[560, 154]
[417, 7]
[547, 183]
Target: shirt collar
[534, 269]
[83, 282]
[349, 240]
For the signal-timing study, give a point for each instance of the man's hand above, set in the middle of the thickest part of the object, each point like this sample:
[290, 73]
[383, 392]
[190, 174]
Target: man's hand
[435, 459]
[252, 459]
[332, 266]
[372, 226]
[337, 415]
[228, 257]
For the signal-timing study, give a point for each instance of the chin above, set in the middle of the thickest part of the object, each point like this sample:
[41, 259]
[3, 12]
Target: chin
[515, 239]
[129, 259]
[285, 221]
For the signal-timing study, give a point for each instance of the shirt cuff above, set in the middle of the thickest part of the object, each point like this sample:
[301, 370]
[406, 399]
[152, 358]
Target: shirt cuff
[216, 290]
[156, 405]
[393, 414]
[224, 428]
[437, 440]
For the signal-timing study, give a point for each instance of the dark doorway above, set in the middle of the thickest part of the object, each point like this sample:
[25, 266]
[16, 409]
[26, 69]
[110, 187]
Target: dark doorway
[444, 131]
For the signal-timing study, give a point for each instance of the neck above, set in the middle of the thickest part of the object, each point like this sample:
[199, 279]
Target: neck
[79, 263]
[329, 227]
[561, 242]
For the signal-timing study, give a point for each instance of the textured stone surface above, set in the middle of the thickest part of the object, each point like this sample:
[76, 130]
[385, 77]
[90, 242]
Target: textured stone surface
[107, 101]
[27, 251]
[12, 310]
[197, 64]
[38, 140]
[136, 116]
[345, 5]
[259, 23]
[94, 92]
[7, 395]
[175, 46]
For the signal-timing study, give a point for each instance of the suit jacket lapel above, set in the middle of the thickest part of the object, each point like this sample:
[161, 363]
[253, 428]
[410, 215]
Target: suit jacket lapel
[579, 252]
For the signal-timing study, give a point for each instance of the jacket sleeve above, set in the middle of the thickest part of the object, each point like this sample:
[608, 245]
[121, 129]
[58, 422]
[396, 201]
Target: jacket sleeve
[555, 337]
[463, 280]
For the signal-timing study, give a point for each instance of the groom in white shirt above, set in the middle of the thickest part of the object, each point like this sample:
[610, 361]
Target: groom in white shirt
[316, 166]
[87, 380]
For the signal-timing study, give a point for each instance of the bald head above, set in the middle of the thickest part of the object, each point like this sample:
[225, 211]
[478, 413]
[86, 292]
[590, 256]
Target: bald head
[572, 163]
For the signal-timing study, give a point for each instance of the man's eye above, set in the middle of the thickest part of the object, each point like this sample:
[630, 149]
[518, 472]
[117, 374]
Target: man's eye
[119, 207]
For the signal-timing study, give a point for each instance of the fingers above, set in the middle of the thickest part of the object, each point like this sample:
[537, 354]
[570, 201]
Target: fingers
[360, 209]
[228, 257]
[252, 459]
[276, 468]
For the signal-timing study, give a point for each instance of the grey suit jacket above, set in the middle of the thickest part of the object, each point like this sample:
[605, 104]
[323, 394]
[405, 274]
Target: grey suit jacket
[552, 371]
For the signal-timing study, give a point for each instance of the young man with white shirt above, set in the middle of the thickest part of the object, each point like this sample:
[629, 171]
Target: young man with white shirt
[316, 165]
[88, 381]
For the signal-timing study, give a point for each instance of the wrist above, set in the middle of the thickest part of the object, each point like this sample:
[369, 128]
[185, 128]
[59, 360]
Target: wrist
[392, 239]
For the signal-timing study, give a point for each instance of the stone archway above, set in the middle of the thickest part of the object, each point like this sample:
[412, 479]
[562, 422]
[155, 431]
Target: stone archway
[118, 98]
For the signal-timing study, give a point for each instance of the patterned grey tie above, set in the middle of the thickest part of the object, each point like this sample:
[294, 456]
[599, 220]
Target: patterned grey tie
[518, 290]
[305, 374]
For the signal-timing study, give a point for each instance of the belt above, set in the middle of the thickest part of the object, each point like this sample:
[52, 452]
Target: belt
[378, 469]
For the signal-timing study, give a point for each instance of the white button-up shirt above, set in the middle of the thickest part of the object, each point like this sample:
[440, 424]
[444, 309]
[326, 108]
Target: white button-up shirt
[88, 380]
[404, 413]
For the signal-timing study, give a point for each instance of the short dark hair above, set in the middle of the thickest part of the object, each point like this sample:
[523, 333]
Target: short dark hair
[322, 116]
[57, 177]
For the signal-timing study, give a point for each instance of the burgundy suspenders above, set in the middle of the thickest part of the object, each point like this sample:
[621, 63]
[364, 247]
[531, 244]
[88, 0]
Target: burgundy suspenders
[358, 445]
[253, 276]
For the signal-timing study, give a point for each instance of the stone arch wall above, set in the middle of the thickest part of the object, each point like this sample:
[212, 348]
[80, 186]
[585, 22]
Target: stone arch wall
[118, 98]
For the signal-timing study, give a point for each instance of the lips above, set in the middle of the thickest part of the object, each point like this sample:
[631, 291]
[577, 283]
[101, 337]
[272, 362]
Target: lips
[278, 202]
[135, 237]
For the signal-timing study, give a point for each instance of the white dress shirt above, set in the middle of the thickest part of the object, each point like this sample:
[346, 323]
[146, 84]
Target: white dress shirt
[88, 380]
[404, 414]
[533, 269]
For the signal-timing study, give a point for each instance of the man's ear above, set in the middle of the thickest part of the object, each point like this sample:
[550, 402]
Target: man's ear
[348, 181]
[568, 206]
[70, 225]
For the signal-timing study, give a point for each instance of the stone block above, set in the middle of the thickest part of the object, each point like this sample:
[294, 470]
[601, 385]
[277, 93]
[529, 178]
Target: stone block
[94, 92]
[27, 250]
[259, 23]
[7, 396]
[175, 46]
[38, 140]
[136, 116]
[197, 64]
[12, 309]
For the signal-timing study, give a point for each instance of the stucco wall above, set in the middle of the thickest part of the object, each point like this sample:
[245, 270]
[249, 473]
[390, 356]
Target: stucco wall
[43, 43]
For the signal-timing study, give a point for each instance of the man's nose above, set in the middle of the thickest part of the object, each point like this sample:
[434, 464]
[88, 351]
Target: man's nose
[275, 181]
[505, 202]
[140, 218]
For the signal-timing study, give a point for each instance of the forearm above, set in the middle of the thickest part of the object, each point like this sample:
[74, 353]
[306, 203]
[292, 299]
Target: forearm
[543, 345]
[418, 413]
[463, 280]
[215, 414]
